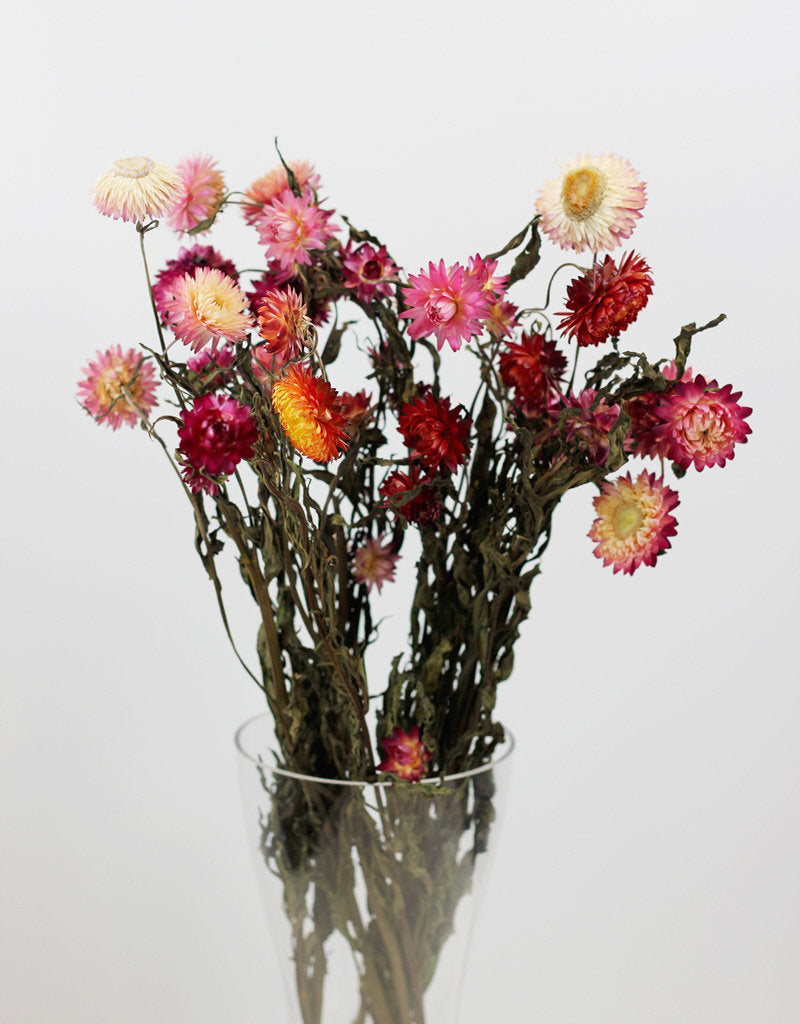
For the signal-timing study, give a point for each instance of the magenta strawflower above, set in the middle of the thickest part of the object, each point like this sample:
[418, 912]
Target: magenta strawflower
[119, 388]
[368, 270]
[207, 306]
[448, 302]
[202, 190]
[293, 226]
[485, 273]
[406, 754]
[188, 260]
[374, 563]
[701, 423]
[642, 438]
[216, 434]
[633, 521]
[213, 369]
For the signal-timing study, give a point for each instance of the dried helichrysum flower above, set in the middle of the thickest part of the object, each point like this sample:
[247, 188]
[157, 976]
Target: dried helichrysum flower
[424, 507]
[213, 369]
[119, 388]
[208, 306]
[368, 271]
[701, 423]
[136, 189]
[284, 324]
[374, 563]
[642, 438]
[188, 260]
[307, 407]
[434, 433]
[591, 428]
[447, 302]
[270, 185]
[216, 434]
[633, 521]
[202, 191]
[291, 227]
[406, 754]
[533, 367]
[594, 204]
[606, 299]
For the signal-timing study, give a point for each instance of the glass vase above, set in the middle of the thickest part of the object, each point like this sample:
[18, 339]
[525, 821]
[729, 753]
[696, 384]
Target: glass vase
[370, 889]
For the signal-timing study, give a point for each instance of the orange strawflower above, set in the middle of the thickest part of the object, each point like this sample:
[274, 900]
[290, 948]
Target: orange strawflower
[308, 409]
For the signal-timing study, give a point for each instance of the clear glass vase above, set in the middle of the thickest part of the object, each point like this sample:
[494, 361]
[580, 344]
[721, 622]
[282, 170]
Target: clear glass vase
[370, 890]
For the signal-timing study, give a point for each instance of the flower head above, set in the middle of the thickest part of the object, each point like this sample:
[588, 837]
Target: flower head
[406, 754]
[369, 271]
[448, 302]
[593, 205]
[309, 413]
[202, 189]
[136, 189]
[317, 309]
[502, 318]
[215, 435]
[633, 521]
[207, 306]
[485, 273]
[533, 368]
[434, 433]
[270, 185]
[284, 324]
[593, 424]
[213, 369]
[356, 408]
[187, 262]
[642, 438]
[291, 226]
[606, 299]
[118, 387]
[423, 507]
[374, 563]
[701, 422]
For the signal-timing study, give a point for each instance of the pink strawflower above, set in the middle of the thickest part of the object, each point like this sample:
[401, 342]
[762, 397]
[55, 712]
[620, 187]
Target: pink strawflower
[502, 318]
[284, 324]
[291, 227]
[592, 426]
[634, 521]
[208, 306]
[374, 563]
[369, 271]
[202, 190]
[406, 754]
[485, 273]
[701, 422]
[270, 185]
[165, 284]
[213, 369]
[119, 387]
[447, 302]
[434, 433]
[424, 507]
[215, 435]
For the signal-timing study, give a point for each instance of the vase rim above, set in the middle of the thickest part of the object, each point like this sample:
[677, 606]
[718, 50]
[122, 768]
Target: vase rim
[505, 753]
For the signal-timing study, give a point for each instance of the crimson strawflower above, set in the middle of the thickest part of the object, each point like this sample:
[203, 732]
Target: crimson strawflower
[216, 434]
[424, 507]
[606, 300]
[533, 368]
[434, 433]
[406, 754]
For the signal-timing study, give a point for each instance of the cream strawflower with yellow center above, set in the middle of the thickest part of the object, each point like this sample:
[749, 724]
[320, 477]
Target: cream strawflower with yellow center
[136, 189]
[593, 205]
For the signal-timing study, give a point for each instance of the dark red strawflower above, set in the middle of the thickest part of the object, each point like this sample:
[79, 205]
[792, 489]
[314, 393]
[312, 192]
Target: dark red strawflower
[424, 507]
[606, 299]
[187, 262]
[533, 368]
[216, 434]
[434, 433]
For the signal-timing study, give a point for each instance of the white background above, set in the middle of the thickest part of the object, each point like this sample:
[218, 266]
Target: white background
[648, 869]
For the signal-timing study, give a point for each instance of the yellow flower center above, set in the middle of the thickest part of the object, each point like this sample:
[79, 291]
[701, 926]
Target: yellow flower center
[627, 519]
[583, 192]
[132, 167]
